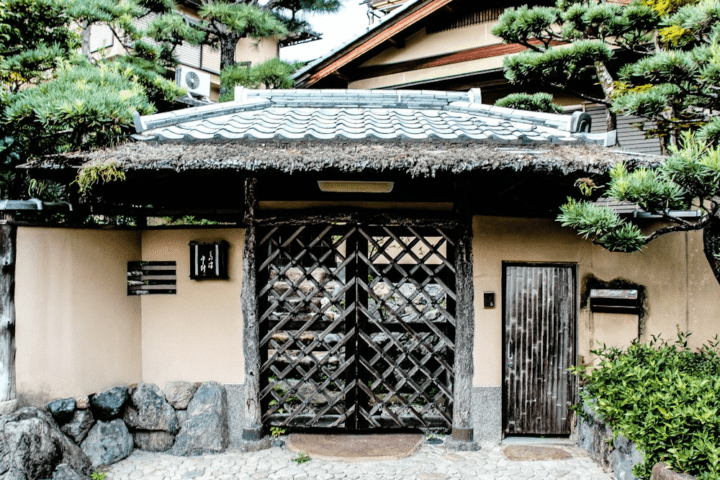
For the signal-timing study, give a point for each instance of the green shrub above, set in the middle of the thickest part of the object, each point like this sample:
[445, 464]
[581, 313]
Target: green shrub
[664, 397]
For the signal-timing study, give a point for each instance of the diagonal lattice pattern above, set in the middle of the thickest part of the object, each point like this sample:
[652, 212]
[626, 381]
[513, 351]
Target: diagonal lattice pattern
[357, 326]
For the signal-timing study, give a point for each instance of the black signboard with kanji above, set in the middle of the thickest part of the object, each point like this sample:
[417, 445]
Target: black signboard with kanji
[208, 260]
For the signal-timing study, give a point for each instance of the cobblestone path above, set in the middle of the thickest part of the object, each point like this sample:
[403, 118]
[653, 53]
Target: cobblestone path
[429, 463]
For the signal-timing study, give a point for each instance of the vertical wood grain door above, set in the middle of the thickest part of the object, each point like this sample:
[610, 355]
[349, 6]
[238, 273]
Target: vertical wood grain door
[540, 321]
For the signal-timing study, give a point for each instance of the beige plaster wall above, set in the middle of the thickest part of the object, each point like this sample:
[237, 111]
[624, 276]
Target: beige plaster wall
[77, 330]
[681, 290]
[196, 334]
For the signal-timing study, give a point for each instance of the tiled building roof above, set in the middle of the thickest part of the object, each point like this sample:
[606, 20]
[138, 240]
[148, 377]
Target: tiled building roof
[364, 115]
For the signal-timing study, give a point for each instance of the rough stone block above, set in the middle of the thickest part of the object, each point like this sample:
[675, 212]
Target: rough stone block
[206, 428]
[487, 414]
[79, 425]
[148, 410]
[179, 394]
[235, 412]
[107, 443]
[109, 404]
[82, 403]
[8, 407]
[32, 446]
[62, 409]
[624, 457]
[64, 472]
[662, 472]
[182, 417]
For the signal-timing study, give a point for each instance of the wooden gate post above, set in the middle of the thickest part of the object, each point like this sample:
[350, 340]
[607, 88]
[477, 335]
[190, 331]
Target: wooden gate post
[462, 428]
[8, 235]
[252, 428]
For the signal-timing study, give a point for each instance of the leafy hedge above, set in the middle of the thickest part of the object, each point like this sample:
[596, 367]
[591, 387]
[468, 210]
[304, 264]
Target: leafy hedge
[666, 398]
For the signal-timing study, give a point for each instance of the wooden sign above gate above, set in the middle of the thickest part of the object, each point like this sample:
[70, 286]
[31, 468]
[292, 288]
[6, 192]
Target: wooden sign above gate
[208, 260]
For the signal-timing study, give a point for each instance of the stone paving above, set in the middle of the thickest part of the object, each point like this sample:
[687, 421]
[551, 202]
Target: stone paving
[429, 463]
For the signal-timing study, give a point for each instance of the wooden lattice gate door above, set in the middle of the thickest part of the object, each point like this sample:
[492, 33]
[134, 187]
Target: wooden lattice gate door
[539, 347]
[357, 326]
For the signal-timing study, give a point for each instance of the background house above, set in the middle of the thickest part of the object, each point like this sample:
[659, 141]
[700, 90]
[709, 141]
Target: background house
[442, 45]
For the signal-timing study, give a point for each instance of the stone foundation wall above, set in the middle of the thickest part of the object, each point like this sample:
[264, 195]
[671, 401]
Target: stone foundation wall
[595, 436]
[183, 419]
[487, 415]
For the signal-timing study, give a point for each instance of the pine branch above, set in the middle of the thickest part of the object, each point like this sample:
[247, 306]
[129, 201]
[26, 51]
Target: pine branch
[679, 228]
[679, 220]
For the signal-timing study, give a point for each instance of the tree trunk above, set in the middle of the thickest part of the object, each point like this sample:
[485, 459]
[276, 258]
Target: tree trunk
[7, 311]
[228, 45]
[607, 82]
[85, 43]
[711, 244]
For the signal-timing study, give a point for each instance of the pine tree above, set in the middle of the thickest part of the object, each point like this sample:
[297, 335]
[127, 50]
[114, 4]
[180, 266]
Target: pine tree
[654, 59]
[677, 86]
[224, 23]
[147, 52]
[55, 99]
[572, 47]
[660, 60]
[273, 73]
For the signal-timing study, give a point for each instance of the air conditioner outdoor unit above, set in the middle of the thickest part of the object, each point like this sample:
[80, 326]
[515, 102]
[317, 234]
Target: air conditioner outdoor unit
[196, 82]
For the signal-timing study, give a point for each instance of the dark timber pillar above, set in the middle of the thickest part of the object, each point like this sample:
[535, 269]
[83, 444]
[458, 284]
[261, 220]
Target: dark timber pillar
[252, 428]
[462, 428]
[8, 235]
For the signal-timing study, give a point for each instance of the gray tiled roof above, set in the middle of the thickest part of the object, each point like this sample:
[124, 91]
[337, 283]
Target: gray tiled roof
[363, 115]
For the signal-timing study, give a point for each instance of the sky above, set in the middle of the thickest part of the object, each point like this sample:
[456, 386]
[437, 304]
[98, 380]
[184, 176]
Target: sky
[336, 29]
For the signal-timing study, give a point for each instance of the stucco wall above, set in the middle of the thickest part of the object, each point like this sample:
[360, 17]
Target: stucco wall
[681, 290]
[196, 334]
[77, 330]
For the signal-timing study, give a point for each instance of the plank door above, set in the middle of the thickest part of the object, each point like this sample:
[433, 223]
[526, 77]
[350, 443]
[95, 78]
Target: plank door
[540, 320]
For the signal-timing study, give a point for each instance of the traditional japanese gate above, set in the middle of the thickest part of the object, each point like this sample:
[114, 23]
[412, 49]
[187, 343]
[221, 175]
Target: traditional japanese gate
[357, 326]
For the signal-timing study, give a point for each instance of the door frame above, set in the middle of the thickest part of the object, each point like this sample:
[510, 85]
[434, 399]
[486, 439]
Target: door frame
[505, 264]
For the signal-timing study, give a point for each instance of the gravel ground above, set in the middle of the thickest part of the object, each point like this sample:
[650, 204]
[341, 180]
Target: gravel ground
[429, 463]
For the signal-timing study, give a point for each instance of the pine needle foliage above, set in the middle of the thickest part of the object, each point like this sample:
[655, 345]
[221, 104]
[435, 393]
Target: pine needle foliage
[57, 96]
[656, 59]
[537, 102]
[597, 32]
[273, 73]
[224, 23]
[82, 108]
[689, 179]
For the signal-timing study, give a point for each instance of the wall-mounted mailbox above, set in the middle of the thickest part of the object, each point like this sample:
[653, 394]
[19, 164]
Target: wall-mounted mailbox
[614, 301]
[489, 299]
[208, 260]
